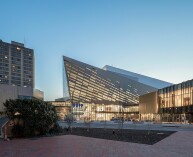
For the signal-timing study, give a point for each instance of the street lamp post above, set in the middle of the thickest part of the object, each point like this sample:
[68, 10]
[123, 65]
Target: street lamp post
[119, 111]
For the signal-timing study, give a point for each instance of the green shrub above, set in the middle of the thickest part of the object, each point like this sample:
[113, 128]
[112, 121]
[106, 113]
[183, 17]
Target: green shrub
[17, 131]
[37, 116]
[56, 129]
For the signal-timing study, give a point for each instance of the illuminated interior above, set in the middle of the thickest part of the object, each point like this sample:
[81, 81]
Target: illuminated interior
[96, 94]
[176, 101]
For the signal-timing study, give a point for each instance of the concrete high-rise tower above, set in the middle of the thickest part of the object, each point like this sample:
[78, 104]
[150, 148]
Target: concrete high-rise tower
[17, 80]
[16, 64]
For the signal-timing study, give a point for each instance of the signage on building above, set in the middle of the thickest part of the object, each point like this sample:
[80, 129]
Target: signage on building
[77, 105]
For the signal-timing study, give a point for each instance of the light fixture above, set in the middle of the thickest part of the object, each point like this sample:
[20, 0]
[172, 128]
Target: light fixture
[18, 48]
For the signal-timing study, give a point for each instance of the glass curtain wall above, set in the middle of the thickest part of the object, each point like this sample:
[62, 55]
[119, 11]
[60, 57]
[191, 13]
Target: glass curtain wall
[65, 84]
[176, 102]
[97, 94]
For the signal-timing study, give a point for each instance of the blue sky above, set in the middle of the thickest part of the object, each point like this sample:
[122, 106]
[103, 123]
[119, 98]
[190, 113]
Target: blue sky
[151, 37]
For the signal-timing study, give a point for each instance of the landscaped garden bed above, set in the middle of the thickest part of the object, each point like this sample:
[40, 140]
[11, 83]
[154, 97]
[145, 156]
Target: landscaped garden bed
[149, 137]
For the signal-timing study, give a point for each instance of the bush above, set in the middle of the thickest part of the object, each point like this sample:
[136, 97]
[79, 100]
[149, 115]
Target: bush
[17, 131]
[37, 116]
[56, 129]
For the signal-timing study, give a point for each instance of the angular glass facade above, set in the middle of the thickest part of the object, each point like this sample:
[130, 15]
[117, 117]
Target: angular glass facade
[65, 84]
[139, 78]
[176, 102]
[97, 94]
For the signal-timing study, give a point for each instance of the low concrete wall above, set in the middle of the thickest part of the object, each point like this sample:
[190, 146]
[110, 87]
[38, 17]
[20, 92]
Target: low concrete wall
[12, 92]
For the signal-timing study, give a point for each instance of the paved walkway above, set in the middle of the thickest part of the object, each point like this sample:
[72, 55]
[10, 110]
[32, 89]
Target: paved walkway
[135, 126]
[179, 144]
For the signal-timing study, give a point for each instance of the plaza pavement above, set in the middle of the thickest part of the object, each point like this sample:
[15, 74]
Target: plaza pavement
[179, 144]
[135, 126]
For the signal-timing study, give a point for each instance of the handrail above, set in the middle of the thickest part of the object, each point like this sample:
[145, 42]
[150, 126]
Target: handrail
[2, 133]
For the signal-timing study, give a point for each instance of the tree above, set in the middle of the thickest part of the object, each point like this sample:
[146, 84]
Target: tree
[36, 117]
[69, 118]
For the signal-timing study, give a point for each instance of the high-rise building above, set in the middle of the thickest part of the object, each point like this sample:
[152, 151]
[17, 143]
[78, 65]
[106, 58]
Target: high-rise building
[16, 64]
[17, 73]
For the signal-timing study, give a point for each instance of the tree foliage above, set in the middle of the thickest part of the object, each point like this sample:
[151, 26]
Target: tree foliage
[37, 116]
[69, 119]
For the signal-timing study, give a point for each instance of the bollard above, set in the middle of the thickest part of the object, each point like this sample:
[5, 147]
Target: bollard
[5, 133]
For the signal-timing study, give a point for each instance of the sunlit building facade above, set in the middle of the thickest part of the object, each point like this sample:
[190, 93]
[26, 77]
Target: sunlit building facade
[97, 94]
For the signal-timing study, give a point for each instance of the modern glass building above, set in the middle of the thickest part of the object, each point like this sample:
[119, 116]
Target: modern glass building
[176, 102]
[156, 83]
[170, 104]
[97, 94]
